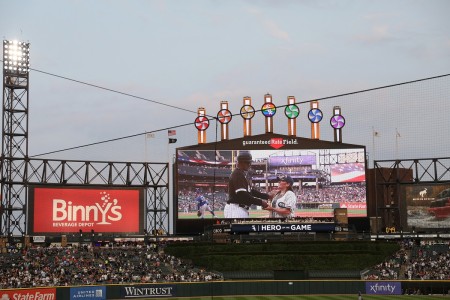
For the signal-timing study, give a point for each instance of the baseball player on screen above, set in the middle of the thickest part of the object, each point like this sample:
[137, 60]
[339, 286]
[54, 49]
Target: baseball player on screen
[203, 206]
[240, 195]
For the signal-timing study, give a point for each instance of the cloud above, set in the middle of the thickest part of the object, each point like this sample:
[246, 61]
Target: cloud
[378, 16]
[271, 27]
[379, 33]
[275, 31]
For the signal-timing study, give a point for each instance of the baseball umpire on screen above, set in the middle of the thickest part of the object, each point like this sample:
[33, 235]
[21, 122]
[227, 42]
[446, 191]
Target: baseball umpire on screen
[240, 195]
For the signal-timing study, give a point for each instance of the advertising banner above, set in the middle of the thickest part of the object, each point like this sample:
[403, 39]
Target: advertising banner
[88, 292]
[148, 291]
[384, 287]
[63, 210]
[354, 205]
[292, 161]
[427, 206]
[35, 294]
[284, 227]
[39, 239]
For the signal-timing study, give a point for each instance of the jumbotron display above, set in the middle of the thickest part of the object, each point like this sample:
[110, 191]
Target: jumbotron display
[427, 206]
[324, 179]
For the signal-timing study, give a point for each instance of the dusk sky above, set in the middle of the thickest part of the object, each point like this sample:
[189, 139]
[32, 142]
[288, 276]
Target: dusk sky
[89, 58]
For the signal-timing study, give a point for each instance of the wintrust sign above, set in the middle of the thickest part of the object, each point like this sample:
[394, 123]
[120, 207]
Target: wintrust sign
[148, 291]
[63, 210]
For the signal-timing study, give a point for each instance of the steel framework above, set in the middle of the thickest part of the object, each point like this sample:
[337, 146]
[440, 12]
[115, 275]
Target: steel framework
[14, 149]
[391, 174]
[153, 177]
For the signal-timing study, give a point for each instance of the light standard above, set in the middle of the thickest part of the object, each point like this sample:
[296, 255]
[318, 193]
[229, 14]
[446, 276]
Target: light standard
[14, 195]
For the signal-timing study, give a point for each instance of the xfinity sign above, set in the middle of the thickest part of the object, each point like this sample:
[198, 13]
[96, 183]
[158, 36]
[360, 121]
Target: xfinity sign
[383, 288]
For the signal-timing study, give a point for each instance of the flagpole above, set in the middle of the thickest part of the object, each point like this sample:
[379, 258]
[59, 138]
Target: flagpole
[145, 146]
[373, 146]
[397, 135]
[170, 140]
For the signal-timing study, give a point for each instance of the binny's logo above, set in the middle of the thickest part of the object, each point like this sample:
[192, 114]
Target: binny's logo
[103, 212]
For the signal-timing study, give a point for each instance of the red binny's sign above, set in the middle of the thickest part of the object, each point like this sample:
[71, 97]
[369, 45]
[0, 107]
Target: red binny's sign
[63, 210]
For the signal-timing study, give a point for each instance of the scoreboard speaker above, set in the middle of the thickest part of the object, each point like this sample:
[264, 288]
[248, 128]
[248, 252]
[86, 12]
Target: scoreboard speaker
[375, 224]
[341, 216]
[64, 240]
[27, 241]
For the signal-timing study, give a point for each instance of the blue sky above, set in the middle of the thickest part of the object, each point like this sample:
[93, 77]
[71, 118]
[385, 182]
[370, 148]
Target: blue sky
[194, 54]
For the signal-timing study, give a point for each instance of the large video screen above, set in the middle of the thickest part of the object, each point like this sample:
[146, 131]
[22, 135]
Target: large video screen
[56, 210]
[427, 206]
[324, 179]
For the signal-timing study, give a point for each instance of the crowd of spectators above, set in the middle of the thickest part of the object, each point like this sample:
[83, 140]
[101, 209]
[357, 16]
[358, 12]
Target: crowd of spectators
[424, 260]
[429, 261]
[139, 262]
[355, 192]
[131, 262]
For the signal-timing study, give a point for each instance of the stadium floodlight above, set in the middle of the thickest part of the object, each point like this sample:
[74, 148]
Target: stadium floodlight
[16, 57]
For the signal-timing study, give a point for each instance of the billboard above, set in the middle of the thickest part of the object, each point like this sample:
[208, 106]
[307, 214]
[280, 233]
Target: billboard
[383, 288]
[37, 293]
[148, 291]
[88, 292]
[324, 179]
[427, 205]
[57, 210]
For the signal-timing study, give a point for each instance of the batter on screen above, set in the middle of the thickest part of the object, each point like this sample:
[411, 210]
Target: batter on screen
[240, 194]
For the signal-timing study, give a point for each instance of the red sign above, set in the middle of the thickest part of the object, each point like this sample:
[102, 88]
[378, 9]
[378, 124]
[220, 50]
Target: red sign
[276, 143]
[353, 205]
[62, 210]
[29, 294]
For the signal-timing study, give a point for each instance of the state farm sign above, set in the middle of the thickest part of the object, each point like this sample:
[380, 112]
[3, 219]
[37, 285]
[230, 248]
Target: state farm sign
[62, 210]
[29, 294]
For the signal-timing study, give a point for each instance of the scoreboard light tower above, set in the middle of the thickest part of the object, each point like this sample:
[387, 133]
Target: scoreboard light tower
[292, 111]
[269, 118]
[337, 121]
[202, 124]
[315, 116]
[224, 116]
[16, 64]
[247, 113]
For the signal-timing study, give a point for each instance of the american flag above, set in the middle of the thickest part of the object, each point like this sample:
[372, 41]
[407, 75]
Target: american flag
[171, 132]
